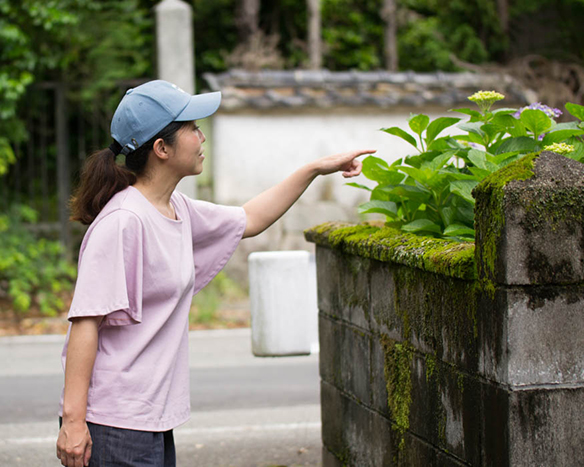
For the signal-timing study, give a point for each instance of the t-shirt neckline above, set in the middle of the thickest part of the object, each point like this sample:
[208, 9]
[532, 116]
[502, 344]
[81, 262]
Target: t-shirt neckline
[141, 195]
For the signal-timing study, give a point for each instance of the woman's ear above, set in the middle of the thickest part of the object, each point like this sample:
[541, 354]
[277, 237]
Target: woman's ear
[160, 149]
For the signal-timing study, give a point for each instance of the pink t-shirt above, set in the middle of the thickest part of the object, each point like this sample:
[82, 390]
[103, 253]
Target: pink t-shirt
[140, 270]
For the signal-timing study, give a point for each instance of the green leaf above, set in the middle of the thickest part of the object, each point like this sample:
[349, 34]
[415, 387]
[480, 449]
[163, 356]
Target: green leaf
[473, 127]
[439, 125]
[459, 175]
[389, 208]
[376, 169]
[422, 225]
[478, 158]
[357, 185]
[465, 213]
[575, 110]
[383, 193]
[438, 162]
[505, 111]
[492, 130]
[418, 175]
[578, 153]
[473, 113]
[503, 122]
[479, 174]
[418, 123]
[559, 136]
[448, 214]
[518, 129]
[456, 230]
[536, 121]
[396, 131]
[522, 144]
[567, 126]
[463, 188]
[412, 193]
[471, 138]
[501, 160]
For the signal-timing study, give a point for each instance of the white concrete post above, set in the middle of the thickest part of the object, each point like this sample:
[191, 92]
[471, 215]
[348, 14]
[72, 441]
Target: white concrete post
[175, 56]
[284, 310]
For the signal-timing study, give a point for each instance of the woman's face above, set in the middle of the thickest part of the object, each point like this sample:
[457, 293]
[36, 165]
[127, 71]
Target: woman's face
[188, 149]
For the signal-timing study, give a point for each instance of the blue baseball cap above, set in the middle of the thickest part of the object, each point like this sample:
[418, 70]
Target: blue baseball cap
[147, 109]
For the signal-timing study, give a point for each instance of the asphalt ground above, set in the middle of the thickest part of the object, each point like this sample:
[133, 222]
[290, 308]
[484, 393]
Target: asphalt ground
[246, 411]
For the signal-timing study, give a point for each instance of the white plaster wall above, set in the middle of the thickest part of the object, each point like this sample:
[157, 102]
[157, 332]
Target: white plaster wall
[252, 152]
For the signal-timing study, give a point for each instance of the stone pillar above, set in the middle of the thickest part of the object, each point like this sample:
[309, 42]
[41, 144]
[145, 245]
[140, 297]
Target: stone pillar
[530, 258]
[175, 56]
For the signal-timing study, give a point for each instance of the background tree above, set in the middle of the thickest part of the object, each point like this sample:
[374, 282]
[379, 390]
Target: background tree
[248, 19]
[389, 15]
[314, 34]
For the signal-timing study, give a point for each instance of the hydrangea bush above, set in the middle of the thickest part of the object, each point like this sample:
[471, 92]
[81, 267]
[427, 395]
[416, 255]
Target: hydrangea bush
[429, 193]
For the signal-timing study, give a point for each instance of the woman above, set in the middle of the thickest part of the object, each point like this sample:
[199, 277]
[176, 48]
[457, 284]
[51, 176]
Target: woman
[147, 251]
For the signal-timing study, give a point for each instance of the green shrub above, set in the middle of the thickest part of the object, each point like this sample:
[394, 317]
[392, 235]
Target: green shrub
[430, 193]
[33, 270]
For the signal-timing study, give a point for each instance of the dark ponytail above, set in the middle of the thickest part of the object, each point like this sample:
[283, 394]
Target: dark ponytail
[102, 177]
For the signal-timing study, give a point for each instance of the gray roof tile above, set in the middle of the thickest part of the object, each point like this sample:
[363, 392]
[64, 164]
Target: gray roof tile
[323, 88]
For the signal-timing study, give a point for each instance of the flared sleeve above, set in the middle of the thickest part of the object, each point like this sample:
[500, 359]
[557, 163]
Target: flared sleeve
[110, 270]
[217, 230]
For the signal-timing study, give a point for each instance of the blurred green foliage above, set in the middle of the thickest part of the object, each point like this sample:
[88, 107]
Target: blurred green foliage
[207, 302]
[33, 271]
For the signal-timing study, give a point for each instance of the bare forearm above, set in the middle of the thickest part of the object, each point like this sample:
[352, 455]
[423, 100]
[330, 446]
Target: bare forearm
[266, 208]
[81, 352]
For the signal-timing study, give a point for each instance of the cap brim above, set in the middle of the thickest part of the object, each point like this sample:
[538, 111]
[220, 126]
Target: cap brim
[200, 106]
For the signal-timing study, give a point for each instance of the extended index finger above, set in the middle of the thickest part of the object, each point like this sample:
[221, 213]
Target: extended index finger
[362, 152]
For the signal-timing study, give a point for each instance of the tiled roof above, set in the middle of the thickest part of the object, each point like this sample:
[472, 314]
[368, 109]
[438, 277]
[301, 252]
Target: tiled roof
[323, 88]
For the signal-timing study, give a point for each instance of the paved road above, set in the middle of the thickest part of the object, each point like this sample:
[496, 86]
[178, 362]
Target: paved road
[247, 411]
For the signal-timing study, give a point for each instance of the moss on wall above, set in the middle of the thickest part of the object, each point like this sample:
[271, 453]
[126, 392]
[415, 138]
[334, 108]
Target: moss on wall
[490, 216]
[387, 244]
[398, 377]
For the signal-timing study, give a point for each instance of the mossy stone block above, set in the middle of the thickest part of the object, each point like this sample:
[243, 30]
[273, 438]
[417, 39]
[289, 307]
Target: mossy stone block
[529, 222]
[447, 257]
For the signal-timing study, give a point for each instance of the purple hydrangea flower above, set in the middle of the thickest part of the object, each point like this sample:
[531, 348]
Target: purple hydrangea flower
[552, 113]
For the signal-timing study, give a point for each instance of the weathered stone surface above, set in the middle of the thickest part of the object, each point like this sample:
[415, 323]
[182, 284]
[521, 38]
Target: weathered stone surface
[343, 291]
[345, 360]
[444, 408]
[377, 378]
[535, 212]
[494, 413]
[354, 290]
[331, 350]
[546, 427]
[536, 336]
[355, 435]
[329, 459]
[327, 279]
[384, 319]
[437, 314]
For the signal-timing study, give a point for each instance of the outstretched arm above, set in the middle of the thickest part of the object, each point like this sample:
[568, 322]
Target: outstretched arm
[266, 208]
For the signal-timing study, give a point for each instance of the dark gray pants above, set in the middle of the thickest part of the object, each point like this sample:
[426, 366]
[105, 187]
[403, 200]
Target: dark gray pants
[119, 447]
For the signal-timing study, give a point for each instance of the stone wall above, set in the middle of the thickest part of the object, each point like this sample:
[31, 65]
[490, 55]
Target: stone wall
[434, 354]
